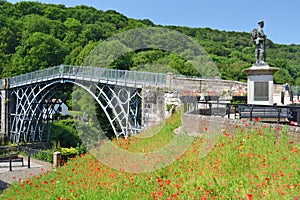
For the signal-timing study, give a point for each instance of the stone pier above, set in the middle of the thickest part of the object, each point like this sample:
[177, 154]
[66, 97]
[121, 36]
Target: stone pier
[3, 108]
[153, 106]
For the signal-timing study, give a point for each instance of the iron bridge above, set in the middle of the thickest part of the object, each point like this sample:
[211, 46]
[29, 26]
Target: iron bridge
[33, 97]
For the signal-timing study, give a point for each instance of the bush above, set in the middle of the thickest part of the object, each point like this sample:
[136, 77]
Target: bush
[67, 153]
[64, 134]
[44, 155]
[81, 149]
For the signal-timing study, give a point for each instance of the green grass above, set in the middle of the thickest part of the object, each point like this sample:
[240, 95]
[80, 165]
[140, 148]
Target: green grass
[246, 164]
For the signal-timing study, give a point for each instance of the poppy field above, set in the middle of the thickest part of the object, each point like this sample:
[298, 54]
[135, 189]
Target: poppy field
[245, 164]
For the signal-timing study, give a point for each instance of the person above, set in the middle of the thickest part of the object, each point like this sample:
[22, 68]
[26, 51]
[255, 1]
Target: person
[74, 70]
[260, 47]
[287, 89]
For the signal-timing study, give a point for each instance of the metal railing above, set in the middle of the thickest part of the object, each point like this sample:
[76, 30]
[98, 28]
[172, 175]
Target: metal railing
[281, 114]
[295, 89]
[95, 74]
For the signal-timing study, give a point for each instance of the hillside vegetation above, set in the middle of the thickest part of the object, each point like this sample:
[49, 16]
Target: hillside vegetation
[36, 36]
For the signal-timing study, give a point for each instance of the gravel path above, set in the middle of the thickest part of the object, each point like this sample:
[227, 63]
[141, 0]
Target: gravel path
[21, 173]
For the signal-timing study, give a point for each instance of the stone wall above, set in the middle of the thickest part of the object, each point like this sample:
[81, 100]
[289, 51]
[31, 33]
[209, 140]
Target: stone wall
[205, 86]
[153, 106]
[210, 86]
[201, 124]
[278, 88]
[159, 103]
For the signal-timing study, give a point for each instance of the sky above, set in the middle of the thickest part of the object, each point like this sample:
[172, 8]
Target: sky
[282, 18]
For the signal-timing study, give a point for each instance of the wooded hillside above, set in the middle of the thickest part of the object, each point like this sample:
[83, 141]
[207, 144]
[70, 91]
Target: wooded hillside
[35, 36]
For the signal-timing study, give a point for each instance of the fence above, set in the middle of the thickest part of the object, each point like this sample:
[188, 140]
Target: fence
[295, 89]
[89, 73]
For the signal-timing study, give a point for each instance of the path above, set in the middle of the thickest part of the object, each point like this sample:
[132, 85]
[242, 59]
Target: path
[21, 173]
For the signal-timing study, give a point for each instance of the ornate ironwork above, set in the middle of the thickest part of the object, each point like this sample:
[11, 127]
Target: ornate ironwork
[118, 93]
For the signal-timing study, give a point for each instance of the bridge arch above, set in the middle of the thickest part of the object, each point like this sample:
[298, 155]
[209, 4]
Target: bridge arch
[29, 108]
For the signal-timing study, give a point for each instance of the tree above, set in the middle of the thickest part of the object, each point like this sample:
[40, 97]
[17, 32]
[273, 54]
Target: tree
[38, 51]
[90, 111]
[91, 33]
[282, 76]
[55, 12]
[83, 54]
[297, 81]
[35, 23]
[73, 25]
[8, 41]
[64, 133]
[25, 8]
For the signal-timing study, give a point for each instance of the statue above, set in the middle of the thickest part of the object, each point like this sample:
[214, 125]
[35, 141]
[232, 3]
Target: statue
[259, 39]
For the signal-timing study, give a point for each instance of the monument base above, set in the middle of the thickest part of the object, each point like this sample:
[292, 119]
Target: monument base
[260, 84]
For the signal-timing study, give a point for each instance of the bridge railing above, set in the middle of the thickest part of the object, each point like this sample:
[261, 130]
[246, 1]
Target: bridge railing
[90, 73]
[123, 76]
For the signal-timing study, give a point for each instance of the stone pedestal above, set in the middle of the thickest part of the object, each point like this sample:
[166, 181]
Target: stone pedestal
[260, 84]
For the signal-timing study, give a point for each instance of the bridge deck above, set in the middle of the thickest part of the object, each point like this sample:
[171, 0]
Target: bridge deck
[92, 74]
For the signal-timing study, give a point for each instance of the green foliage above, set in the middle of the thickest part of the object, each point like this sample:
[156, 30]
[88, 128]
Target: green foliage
[297, 81]
[92, 119]
[282, 76]
[64, 134]
[171, 107]
[38, 51]
[81, 149]
[35, 36]
[68, 151]
[44, 155]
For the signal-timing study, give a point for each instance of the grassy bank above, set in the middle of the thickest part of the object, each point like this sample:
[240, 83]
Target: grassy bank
[245, 164]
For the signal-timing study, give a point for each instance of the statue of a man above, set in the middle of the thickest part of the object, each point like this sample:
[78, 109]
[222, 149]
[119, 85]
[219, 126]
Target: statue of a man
[260, 41]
